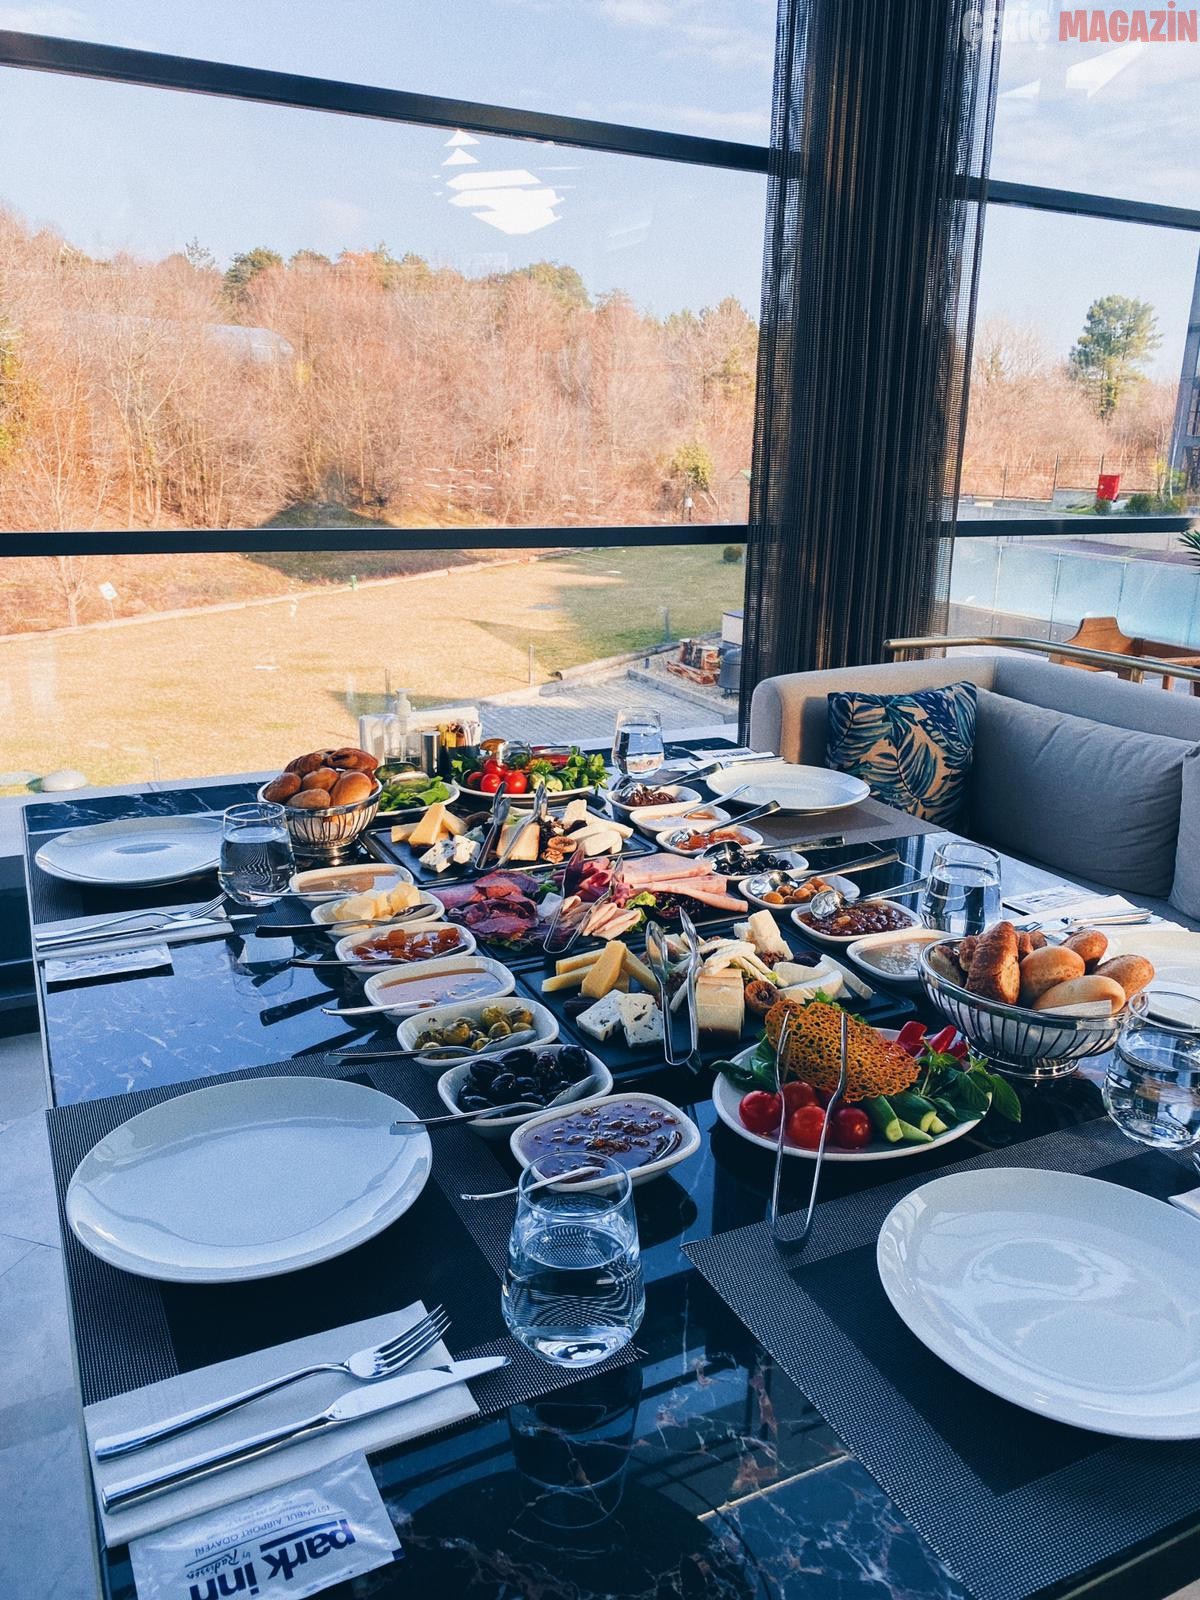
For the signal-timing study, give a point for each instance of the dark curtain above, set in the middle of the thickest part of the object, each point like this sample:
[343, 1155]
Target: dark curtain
[880, 133]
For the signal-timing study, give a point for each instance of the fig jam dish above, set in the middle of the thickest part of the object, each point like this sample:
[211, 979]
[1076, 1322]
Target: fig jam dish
[631, 1132]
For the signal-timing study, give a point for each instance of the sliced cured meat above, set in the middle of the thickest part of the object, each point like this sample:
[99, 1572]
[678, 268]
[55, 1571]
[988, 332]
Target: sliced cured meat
[644, 871]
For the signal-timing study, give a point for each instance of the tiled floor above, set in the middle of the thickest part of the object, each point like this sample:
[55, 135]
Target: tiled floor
[45, 1544]
[44, 1495]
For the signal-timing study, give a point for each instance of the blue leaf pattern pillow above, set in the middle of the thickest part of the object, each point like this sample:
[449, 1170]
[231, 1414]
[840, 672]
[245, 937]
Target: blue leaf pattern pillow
[913, 749]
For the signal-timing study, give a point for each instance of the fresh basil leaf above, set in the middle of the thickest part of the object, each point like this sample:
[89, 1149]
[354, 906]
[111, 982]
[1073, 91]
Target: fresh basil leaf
[1004, 1097]
[969, 1094]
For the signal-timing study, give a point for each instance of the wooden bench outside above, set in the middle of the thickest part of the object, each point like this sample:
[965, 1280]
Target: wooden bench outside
[1102, 633]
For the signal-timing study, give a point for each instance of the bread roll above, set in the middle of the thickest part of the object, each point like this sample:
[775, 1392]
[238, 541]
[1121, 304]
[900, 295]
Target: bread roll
[352, 759]
[1042, 969]
[282, 788]
[1090, 944]
[320, 778]
[1028, 942]
[1090, 990]
[351, 788]
[1133, 973]
[308, 763]
[994, 971]
[310, 800]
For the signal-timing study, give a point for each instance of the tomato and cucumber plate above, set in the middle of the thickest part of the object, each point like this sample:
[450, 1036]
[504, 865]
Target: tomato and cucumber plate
[937, 1092]
[568, 775]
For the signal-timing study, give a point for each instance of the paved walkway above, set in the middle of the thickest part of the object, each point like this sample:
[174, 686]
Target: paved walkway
[561, 713]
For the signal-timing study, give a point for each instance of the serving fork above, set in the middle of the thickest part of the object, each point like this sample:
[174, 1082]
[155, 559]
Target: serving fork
[379, 1361]
[787, 1242]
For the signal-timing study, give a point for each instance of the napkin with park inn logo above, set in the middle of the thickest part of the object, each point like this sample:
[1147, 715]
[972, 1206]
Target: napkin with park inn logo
[140, 1408]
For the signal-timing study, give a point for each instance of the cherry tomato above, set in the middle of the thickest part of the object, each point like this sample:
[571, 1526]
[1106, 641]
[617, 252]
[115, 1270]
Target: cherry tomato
[760, 1111]
[850, 1128]
[492, 765]
[804, 1126]
[797, 1094]
[490, 782]
[473, 778]
[516, 783]
[912, 1037]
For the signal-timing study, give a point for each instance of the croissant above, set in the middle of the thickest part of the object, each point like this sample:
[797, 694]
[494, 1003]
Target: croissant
[995, 972]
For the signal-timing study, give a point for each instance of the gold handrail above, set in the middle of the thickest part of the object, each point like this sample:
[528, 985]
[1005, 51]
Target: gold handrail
[1132, 667]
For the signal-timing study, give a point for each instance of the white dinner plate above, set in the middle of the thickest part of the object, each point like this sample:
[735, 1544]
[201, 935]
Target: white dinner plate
[247, 1180]
[808, 789]
[1071, 1297]
[137, 852]
[727, 1097]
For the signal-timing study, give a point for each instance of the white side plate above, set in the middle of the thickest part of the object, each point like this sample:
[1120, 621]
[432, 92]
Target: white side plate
[135, 852]
[810, 789]
[247, 1180]
[1071, 1297]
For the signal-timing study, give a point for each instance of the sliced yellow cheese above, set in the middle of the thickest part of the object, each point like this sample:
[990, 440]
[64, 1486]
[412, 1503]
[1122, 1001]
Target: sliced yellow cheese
[720, 1004]
[454, 825]
[528, 836]
[604, 974]
[637, 968]
[564, 980]
[429, 829]
[577, 963]
[402, 832]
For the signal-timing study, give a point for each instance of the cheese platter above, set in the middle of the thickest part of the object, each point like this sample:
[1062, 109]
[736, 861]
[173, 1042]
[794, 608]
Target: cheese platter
[607, 995]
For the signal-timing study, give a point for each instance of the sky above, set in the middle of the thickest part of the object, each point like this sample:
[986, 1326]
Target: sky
[145, 171]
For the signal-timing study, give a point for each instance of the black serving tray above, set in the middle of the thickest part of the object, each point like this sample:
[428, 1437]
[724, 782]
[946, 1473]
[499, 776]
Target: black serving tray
[883, 1010]
[381, 845]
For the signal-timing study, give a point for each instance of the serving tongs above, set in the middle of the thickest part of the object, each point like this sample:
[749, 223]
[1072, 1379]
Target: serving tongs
[659, 961]
[787, 1241]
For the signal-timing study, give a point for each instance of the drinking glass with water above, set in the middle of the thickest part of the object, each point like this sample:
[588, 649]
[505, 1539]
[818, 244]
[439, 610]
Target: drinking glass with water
[962, 895]
[256, 854]
[1152, 1088]
[637, 748]
[573, 1291]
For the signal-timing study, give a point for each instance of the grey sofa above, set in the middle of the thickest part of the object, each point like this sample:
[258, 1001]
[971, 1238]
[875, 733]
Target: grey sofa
[1095, 778]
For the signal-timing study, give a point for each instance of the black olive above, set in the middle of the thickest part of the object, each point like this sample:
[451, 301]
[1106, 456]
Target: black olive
[571, 1059]
[519, 1062]
[472, 1102]
[576, 1006]
[503, 1085]
[526, 1088]
[482, 1071]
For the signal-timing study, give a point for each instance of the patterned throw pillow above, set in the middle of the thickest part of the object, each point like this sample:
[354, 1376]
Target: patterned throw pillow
[913, 749]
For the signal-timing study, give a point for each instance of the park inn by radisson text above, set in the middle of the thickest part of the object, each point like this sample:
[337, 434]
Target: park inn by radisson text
[1166, 26]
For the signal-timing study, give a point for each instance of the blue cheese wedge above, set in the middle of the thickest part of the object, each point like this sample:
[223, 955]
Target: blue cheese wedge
[641, 1020]
[452, 852]
[603, 1019]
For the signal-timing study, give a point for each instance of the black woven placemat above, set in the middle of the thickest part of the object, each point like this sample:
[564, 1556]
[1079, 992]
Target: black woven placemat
[131, 1331]
[1011, 1502]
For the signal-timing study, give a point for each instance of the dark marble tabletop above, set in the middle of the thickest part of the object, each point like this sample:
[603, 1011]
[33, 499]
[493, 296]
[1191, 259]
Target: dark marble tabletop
[699, 1470]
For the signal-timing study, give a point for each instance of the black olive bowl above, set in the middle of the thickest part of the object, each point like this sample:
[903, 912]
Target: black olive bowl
[462, 1089]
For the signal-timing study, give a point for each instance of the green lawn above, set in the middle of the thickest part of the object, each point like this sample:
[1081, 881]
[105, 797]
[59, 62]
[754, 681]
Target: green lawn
[224, 691]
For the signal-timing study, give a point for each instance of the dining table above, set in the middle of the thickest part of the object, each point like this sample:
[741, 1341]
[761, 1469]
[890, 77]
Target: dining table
[695, 1466]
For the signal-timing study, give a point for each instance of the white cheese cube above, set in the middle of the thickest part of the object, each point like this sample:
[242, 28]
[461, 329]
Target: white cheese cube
[604, 1018]
[641, 1020]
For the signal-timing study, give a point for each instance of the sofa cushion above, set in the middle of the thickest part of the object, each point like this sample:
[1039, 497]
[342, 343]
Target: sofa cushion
[1185, 895]
[1098, 696]
[913, 749]
[1087, 798]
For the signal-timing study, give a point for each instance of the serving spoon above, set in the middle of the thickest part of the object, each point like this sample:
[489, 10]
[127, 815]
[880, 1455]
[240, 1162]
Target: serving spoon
[439, 1052]
[579, 1090]
[826, 901]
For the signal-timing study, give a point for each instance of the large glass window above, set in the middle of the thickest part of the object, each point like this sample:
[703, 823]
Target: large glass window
[128, 669]
[1088, 101]
[1080, 336]
[690, 66]
[247, 316]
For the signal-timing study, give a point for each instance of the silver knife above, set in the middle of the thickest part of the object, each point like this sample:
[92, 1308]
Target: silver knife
[360, 1402]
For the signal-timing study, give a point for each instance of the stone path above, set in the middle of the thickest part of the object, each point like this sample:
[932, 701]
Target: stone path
[561, 713]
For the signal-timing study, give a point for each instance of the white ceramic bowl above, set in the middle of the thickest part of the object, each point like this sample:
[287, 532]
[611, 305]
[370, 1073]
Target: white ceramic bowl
[747, 838]
[499, 1130]
[652, 823]
[653, 1169]
[545, 1026]
[431, 910]
[865, 953]
[815, 934]
[386, 987]
[320, 884]
[345, 947]
[677, 791]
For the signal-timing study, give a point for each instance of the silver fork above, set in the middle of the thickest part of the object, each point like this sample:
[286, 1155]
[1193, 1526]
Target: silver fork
[163, 920]
[381, 1361]
[793, 1243]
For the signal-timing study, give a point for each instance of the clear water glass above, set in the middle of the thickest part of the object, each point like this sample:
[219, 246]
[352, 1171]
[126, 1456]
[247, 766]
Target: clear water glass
[573, 1291]
[1152, 1088]
[256, 854]
[962, 895]
[637, 748]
